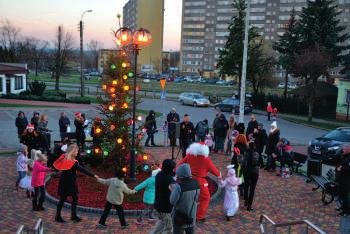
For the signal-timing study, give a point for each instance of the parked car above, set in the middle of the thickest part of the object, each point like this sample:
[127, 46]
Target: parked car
[221, 82]
[330, 147]
[232, 104]
[179, 79]
[231, 83]
[193, 99]
[211, 81]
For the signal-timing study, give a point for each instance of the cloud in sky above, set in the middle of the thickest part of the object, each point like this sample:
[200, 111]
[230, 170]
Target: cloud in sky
[39, 18]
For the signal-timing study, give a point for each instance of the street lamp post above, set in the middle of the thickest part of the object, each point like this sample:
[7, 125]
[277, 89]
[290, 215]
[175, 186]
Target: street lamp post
[244, 66]
[141, 37]
[81, 30]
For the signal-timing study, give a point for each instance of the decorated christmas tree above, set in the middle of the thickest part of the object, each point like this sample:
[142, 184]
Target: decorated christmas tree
[112, 133]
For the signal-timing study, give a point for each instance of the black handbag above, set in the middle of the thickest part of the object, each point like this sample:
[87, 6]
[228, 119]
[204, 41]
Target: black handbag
[181, 218]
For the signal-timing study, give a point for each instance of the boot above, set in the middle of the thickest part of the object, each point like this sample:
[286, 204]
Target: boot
[59, 219]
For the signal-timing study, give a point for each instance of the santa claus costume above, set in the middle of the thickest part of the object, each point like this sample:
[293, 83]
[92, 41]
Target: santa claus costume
[197, 157]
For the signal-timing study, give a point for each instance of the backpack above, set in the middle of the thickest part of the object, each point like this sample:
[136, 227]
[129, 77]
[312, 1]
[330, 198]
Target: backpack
[201, 129]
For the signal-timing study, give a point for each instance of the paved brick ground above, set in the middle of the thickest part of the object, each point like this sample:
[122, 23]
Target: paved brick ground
[281, 199]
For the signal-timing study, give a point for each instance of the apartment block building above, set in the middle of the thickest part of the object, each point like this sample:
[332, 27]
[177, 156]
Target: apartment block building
[205, 27]
[148, 14]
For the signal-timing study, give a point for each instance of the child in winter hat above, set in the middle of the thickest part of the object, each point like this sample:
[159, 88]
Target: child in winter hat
[148, 196]
[231, 201]
[21, 164]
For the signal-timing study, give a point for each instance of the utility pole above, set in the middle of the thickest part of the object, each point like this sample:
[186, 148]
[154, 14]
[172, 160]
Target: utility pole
[82, 83]
[244, 67]
[81, 29]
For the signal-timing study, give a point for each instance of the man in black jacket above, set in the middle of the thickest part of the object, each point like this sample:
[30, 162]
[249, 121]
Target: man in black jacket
[260, 140]
[172, 119]
[187, 134]
[252, 125]
[162, 197]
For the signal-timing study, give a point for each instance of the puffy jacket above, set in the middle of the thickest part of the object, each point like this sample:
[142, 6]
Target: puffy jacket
[149, 194]
[185, 194]
[38, 174]
[116, 190]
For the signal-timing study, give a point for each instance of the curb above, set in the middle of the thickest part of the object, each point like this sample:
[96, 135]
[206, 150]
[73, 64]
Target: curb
[303, 124]
[91, 210]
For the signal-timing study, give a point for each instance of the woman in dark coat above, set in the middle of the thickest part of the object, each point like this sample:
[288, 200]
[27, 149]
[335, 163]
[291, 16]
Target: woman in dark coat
[68, 181]
[151, 127]
[260, 140]
[45, 134]
[250, 174]
[21, 123]
[274, 137]
[31, 139]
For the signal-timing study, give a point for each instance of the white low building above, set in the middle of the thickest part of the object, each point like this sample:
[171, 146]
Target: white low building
[13, 78]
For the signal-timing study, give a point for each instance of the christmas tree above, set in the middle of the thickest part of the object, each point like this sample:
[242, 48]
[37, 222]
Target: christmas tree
[112, 133]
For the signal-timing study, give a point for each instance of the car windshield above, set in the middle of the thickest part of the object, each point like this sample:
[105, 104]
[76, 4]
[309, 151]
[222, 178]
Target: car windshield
[339, 135]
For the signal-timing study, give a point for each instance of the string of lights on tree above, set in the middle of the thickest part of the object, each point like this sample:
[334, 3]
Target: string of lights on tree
[112, 133]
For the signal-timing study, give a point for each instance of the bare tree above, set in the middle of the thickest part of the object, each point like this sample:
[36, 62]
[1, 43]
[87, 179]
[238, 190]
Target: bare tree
[63, 49]
[94, 47]
[311, 64]
[9, 34]
[32, 50]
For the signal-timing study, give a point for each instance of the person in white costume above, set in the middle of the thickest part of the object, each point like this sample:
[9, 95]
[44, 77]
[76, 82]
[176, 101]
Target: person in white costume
[231, 201]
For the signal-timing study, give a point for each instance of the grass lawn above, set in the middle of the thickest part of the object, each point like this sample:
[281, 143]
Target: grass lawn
[154, 86]
[327, 126]
[27, 106]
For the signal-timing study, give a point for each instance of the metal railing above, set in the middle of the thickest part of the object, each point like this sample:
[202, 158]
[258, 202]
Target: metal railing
[289, 225]
[38, 229]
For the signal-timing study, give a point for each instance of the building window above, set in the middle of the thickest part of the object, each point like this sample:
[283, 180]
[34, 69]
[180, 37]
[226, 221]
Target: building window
[1, 84]
[18, 82]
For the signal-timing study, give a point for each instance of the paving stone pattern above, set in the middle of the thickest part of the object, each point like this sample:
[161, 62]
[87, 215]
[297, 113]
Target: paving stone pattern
[281, 199]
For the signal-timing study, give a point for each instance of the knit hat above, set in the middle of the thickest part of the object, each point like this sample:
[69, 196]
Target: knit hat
[21, 148]
[30, 126]
[77, 114]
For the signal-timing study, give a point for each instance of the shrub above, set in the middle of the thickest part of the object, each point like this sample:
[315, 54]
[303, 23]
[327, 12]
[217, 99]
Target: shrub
[59, 93]
[27, 92]
[76, 99]
[37, 88]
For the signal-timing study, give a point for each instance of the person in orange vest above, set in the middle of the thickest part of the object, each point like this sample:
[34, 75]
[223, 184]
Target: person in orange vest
[269, 110]
[200, 164]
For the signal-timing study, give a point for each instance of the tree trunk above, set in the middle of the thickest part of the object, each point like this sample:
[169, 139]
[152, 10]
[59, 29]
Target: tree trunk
[57, 80]
[312, 94]
[285, 86]
[36, 67]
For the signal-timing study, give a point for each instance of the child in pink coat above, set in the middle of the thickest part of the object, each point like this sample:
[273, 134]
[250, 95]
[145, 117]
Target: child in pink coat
[38, 181]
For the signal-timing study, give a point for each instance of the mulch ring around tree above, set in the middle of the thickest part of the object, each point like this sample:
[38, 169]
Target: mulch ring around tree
[93, 194]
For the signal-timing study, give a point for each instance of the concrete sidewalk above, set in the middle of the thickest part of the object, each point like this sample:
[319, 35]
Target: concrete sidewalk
[304, 118]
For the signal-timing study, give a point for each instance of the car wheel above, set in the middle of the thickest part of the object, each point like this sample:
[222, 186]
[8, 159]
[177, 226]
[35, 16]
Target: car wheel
[182, 102]
[195, 104]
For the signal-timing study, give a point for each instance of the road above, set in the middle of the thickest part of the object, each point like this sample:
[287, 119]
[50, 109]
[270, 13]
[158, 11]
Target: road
[297, 134]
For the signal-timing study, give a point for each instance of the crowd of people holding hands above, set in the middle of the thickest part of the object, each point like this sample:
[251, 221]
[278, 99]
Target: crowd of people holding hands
[177, 194]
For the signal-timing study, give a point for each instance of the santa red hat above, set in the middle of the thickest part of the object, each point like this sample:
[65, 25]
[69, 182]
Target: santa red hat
[77, 114]
[30, 126]
[198, 149]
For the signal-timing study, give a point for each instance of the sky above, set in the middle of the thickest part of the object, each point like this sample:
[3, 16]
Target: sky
[40, 18]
